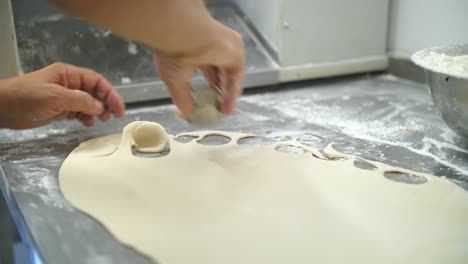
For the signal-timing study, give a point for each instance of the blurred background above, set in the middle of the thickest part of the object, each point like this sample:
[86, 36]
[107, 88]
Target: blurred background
[285, 40]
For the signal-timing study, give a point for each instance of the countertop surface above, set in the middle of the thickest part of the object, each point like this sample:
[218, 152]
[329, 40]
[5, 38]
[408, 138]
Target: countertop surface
[378, 117]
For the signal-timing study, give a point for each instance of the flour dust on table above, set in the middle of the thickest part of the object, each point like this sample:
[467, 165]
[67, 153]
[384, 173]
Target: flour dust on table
[231, 203]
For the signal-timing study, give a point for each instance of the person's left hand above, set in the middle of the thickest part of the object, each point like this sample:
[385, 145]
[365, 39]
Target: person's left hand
[56, 92]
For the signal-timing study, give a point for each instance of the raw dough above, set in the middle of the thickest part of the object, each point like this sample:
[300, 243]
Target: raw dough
[150, 137]
[231, 204]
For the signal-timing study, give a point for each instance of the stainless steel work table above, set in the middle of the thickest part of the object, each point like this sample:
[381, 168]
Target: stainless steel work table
[379, 117]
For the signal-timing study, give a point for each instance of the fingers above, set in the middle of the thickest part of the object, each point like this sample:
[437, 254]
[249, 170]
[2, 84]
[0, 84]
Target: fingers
[75, 101]
[114, 102]
[227, 58]
[177, 77]
[221, 61]
[232, 85]
[105, 116]
[86, 120]
[182, 98]
[234, 73]
[95, 84]
[211, 74]
[233, 90]
[229, 82]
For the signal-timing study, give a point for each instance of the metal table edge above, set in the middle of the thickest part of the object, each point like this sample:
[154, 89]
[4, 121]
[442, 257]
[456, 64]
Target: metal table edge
[19, 221]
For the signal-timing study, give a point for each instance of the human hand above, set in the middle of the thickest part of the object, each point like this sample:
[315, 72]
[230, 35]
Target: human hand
[56, 92]
[184, 37]
[221, 60]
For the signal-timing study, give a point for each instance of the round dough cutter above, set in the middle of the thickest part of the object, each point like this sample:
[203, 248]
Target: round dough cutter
[207, 106]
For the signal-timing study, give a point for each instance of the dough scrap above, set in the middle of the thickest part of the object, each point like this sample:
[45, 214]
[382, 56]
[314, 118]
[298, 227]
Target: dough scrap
[234, 204]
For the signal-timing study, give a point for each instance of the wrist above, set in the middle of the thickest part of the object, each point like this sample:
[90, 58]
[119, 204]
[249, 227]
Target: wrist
[213, 39]
[189, 37]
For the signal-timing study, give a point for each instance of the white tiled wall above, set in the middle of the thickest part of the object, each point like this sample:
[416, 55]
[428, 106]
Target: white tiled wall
[318, 38]
[418, 24]
[8, 49]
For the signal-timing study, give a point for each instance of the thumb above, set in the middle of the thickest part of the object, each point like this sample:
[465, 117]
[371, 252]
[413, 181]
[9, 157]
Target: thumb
[79, 101]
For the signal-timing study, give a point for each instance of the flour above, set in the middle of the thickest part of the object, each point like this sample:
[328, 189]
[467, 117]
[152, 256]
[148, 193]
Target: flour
[16, 136]
[125, 80]
[388, 124]
[132, 48]
[448, 135]
[440, 62]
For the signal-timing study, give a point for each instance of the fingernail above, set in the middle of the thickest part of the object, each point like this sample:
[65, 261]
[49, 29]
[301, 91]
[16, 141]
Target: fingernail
[230, 107]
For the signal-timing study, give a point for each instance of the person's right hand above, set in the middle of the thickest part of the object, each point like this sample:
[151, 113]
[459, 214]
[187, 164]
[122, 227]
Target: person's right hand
[221, 61]
[185, 38]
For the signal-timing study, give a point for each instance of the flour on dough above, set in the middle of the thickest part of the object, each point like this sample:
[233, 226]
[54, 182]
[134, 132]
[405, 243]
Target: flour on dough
[234, 204]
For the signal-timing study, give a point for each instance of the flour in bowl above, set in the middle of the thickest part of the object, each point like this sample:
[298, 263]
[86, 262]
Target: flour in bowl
[440, 62]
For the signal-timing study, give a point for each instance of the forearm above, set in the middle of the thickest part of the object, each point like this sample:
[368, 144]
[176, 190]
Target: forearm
[7, 104]
[171, 26]
[4, 101]
[184, 38]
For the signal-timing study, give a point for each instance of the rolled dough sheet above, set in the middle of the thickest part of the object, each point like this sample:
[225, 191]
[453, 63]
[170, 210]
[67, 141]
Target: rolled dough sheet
[234, 204]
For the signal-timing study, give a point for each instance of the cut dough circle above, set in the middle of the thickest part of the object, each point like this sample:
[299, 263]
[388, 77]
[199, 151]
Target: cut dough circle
[102, 146]
[150, 137]
[234, 204]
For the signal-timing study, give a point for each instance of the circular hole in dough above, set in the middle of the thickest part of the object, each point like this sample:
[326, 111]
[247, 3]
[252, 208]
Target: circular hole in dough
[282, 135]
[146, 155]
[185, 139]
[402, 177]
[336, 159]
[310, 139]
[290, 149]
[255, 141]
[214, 140]
[362, 164]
